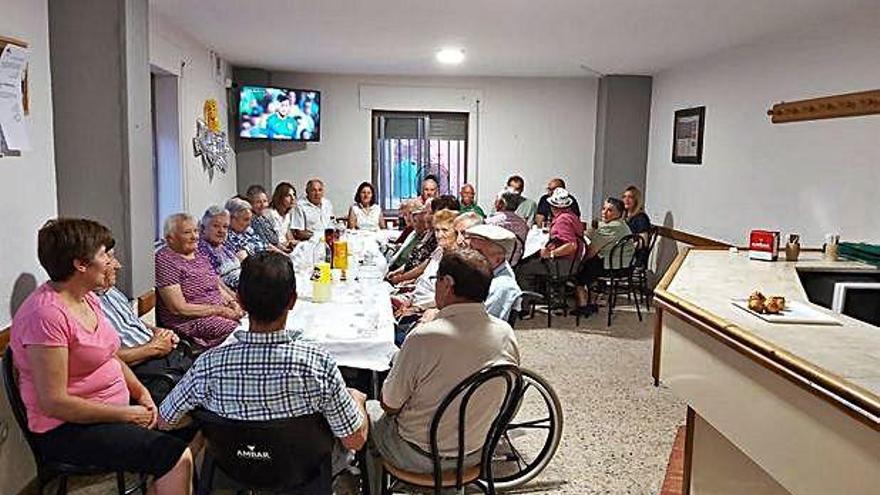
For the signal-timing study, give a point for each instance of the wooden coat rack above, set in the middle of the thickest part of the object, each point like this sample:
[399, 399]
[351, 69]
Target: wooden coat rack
[828, 107]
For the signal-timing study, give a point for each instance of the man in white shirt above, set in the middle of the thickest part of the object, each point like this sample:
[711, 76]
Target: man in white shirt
[436, 357]
[315, 212]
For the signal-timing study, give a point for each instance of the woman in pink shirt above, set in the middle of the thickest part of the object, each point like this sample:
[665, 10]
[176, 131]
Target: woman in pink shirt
[563, 250]
[84, 405]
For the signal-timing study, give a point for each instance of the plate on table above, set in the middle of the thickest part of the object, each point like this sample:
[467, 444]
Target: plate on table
[794, 312]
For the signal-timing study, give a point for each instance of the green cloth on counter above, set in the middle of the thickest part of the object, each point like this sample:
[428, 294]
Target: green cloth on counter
[860, 251]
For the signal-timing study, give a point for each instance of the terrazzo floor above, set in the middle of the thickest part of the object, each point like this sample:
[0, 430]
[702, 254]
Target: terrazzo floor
[618, 428]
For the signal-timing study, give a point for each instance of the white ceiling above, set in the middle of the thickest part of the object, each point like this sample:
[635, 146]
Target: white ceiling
[501, 37]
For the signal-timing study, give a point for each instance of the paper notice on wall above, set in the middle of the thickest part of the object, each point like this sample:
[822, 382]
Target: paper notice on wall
[13, 63]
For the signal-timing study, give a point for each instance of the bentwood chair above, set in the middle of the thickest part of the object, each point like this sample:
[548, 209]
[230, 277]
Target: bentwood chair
[480, 475]
[619, 279]
[283, 455]
[46, 470]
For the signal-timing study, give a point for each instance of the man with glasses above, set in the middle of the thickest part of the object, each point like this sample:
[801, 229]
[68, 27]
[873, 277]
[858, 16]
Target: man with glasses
[436, 357]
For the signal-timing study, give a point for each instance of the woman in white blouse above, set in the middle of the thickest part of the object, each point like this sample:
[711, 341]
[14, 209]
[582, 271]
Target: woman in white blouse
[280, 211]
[365, 214]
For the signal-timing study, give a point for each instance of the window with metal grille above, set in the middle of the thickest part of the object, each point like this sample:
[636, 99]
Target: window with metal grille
[408, 146]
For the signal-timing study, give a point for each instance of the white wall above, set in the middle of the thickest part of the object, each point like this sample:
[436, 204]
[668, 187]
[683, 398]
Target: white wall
[810, 177]
[176, 53]
[29, 194]
[534, 127]
[29, 200]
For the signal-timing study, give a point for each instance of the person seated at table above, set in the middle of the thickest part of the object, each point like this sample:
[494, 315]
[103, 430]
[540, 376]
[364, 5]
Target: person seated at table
[468, 201]
[260, 222]
[421, 297]
[634, 211]
[463, 222]
[506, 217]
[545, 211]
[314, 212]
[83, 404]
[405, 210]
[365, 214]
[435, 358]
[597, 260]
[281, 210]
[497, 244]
[430, 190]
[418, 258]
[192, 300]
[241, 238]
[419, 225]
[444, 202]
[287, 376]
[563, 247]
[525, 207]
[213, 232]
[148, 350]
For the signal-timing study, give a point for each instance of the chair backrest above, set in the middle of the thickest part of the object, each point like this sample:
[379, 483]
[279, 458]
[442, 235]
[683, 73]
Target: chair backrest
[511, 376]
[622, 255]
[643, 254]
[13, 394]
[519, 246]
[277, 455]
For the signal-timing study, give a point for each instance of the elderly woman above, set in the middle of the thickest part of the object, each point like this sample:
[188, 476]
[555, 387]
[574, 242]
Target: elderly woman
[564, 246]
[213, 229]
[365, 214]
[412, 236]
[260, 222]
[418, 258]
[84, 405]
[192, 300]
[634, 210]
[467, 196]
[597, 260]
[281, 211]
[242, 239]
[409, 306]
[506, 217]
[463, 222]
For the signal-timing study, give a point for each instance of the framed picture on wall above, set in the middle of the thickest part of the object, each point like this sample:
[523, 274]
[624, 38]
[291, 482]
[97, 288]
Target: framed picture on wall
[687, 135]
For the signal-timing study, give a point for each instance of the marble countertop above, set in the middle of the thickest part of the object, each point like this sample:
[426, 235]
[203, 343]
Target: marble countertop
[849, 352]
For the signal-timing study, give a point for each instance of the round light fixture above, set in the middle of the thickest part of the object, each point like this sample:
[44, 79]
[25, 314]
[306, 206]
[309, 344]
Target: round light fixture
[450, 56]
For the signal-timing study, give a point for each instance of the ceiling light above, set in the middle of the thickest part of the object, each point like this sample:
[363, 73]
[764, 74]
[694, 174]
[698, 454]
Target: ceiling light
[450, 56]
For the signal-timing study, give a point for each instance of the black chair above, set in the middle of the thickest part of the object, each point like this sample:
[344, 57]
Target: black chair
[640, 270]
[557, 285]
[519, 246]
[48, 471]
[619, 278]
[481, 474]
[527, 302]
[283, 455]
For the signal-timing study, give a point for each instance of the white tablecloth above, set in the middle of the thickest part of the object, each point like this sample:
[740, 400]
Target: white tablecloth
[535, 240]
[357, 325]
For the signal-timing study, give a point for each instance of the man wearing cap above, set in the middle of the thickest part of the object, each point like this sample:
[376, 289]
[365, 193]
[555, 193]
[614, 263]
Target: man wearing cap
[564, 246]
[505, 216]
[496, 244]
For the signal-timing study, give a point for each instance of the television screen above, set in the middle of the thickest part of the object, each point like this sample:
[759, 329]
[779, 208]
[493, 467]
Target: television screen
[279, 114]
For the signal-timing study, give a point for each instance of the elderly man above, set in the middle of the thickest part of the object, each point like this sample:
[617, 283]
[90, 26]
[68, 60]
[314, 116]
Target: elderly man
[545, 212]
[436, 357]
[497, 244]
[469, 202]
[148, 350]
[430, 189]
[525, 207]
[506, 217]
[315, 212]
[298, 376]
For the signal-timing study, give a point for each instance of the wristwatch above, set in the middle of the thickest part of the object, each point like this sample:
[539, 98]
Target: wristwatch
[552, 256]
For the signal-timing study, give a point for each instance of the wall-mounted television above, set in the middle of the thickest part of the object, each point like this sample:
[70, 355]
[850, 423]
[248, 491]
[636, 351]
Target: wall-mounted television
[279, 114]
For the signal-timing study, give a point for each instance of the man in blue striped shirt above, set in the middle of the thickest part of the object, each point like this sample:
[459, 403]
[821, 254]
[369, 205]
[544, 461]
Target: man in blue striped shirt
[148, 350]
[269, 372]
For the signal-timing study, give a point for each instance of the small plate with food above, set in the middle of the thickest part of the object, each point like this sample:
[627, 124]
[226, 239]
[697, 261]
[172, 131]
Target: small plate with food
[776, 309]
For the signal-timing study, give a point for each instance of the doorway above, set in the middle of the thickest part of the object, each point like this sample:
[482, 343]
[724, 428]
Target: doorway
[167, 158]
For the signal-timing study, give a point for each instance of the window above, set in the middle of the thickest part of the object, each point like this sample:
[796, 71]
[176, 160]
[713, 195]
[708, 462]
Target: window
[409, 146]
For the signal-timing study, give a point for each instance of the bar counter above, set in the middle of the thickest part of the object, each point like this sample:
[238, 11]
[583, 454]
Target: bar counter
[772, 408]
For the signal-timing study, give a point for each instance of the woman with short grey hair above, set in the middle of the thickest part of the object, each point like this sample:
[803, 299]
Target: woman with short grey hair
[241, 238]
[213, 231]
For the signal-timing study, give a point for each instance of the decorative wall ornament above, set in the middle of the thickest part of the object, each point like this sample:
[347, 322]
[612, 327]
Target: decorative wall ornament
[211, 142]
[828, 107]
[687, 135]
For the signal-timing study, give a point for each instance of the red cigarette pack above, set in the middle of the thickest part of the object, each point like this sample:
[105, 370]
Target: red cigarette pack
[764, 245]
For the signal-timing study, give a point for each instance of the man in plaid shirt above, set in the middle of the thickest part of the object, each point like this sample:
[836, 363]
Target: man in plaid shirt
[269, 372]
